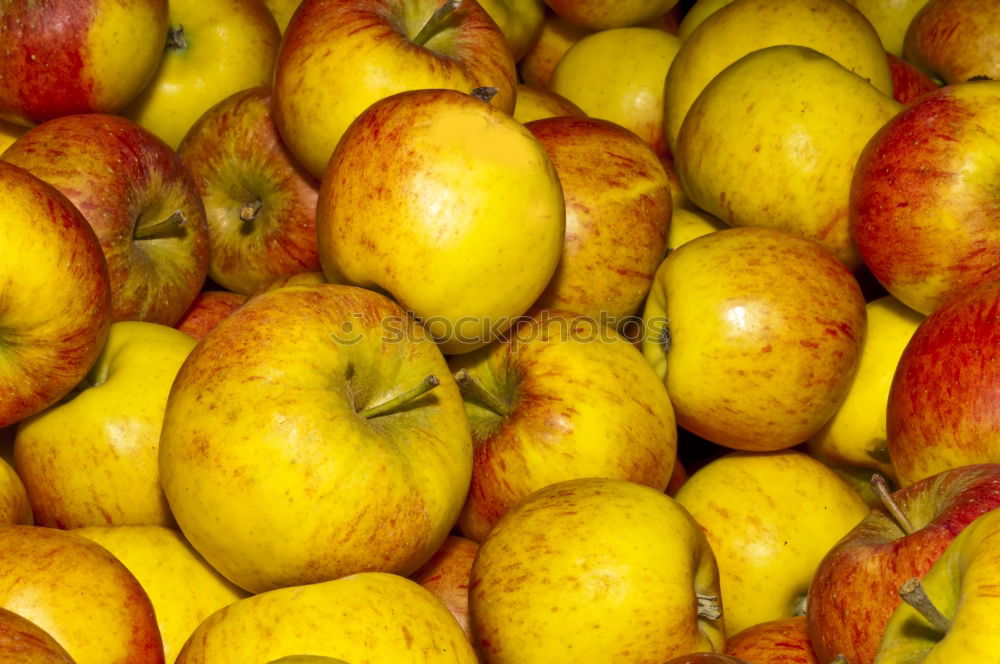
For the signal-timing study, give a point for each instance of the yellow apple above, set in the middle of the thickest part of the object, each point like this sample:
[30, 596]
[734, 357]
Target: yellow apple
[772, 142]
[890, 18]
[831, 27]
[687, 224]
[770, 518]
[856, 434]
[92, 460]
[14, 506]
[450, 205]
[534, 103]
[213, 50]
[617, 75]
[595, 571]
[603, 15]
[183, 588]
[695, 16]
[368, 617]
[749, 365]
[520, 21]
[24, 642]
[282, 11]
[556, 37]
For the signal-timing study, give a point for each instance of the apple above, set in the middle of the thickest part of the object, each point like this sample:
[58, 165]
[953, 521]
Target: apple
[696, 15]
[908, 82]
[562, 396]
[419, 200]
[63, 58]
[92, 460]
[56, 304]
[259, 203]
[747, 365]
[781, 157]
[943, 402]
[339, 58]
[855, 589]
[213, 49]
[751, 506]
[80, 594]
[209, 307]
[9, 132]
[365, 617]
[706, 658]
[890, 18]
[534, 103]
[520, 21]
[924, 208]
[24, 642]
[951, 614]
[778, 641]
[446, 576]
[300, 279]
[595, 570]
[555, 39]
[856, 434]
[617, 75]
[282, 11]
[182, 587]
[14, 506]
[955, 40]
[602, 15]
[300, 420]
[139, 199]
[687, 224]
[617, 201]
[831, 27]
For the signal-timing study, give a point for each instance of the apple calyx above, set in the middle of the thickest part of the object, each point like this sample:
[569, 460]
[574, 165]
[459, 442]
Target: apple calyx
[709, 607]
[485, 94]
[169, 227]
[881, 489]
[176, 38]
[912, 592]
[473, 391]
[387, 407]
[436, 22]
[249, 211]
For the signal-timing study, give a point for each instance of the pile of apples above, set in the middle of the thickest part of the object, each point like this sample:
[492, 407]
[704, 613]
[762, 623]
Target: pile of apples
[499, 332]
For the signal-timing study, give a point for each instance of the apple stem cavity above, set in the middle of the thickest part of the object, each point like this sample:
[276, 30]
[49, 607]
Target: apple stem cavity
[709, 607]
[387, 407]
[472, 390]
[881, 489]
[169, 227]
[913, 593]
[176, 37]
[250, 210]
[436, 21]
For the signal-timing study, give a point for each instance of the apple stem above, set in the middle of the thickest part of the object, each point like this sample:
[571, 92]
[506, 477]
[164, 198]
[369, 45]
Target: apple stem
[436, 21]
[249, 210]
[472, 390]
[881, 489]
[913, 593]
[176, 38]
[161, 229]
[708, 607]
[425, 386]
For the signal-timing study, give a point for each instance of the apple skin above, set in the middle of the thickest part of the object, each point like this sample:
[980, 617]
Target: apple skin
[534, 103]
[601, 15]
[259, 203]
[908, 82]
[943, 402]
[46, 246]
[556, 37]
[265, 456]
[856, 586]
[66, 585]
[706, 658]
[317, 88]
[24, 642]
[418, 201]
[962, 587]
[446, 575]
[925, 211]
[124, 180]
[618, 207]
[15, 509]
[890, 18]
[208, 308]
[579, 400]
[64, 58]
[781, 641]
[955, 40]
